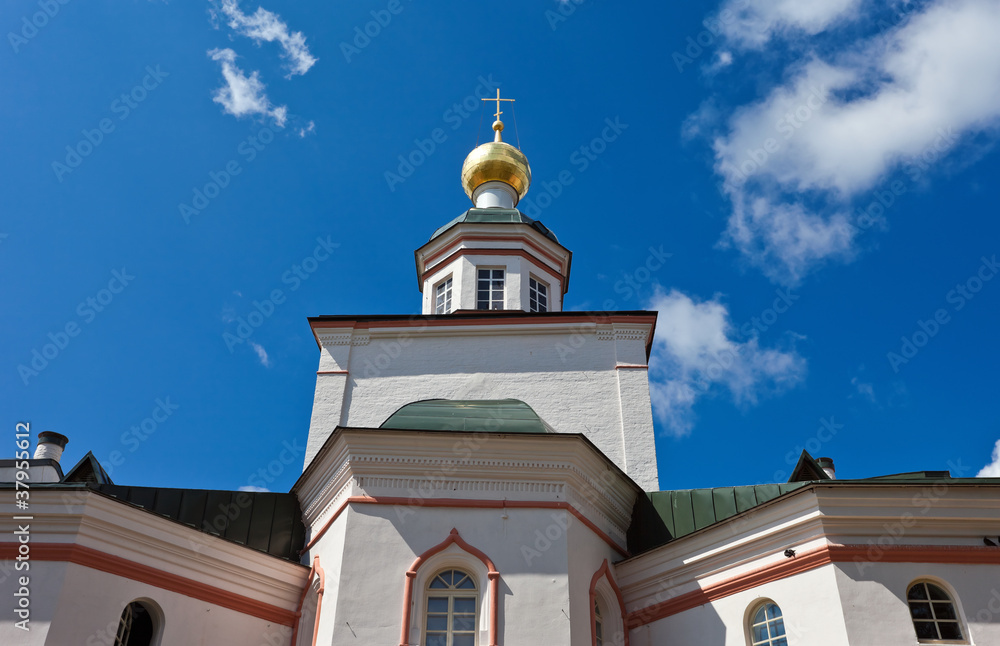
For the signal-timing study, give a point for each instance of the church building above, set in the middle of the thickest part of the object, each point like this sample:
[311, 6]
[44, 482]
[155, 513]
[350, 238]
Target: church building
[485, 474]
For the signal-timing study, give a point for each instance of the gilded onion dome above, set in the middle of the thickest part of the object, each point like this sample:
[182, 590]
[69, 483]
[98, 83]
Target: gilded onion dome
[496, 161]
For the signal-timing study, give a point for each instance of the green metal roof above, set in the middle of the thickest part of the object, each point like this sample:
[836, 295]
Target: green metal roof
[685, 512]
[483, 415]
[498, 216]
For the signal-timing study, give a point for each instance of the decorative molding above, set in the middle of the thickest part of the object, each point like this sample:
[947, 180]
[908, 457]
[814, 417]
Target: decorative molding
[437, 484]
[605, 333]
[630, 334]
[118, 566]
[605, 571]
[492, 573]
[462, 503]
[340, 338]
[810, 560]
[361, 338]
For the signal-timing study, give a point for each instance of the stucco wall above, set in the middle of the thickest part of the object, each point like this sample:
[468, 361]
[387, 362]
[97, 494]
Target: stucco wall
[77, 605]
[568, 378]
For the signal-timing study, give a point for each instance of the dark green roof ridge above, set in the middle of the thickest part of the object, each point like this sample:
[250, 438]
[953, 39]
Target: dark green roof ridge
[498, 216]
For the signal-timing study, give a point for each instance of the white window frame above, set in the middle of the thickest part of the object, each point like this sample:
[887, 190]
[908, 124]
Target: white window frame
[750, 624]
[534, 283]
[449, 292]
[451, 595]
[503, 291]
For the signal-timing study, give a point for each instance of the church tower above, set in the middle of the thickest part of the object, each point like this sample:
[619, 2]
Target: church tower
[492, 338]
[493, 257]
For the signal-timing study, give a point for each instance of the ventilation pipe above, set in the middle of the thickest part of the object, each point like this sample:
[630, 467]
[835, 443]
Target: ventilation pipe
[50, 446]
[827, 465]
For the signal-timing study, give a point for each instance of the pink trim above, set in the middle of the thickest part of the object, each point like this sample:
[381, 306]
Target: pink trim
[411, 574]
[316, 569]
[810, 560]
[118, 566]
[625, 366]
[466, 251]
[331, 372]
[605, 571]
[461, 503]
[472, 238]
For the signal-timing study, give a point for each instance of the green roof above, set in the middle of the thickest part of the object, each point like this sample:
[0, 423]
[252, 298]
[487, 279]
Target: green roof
[498, 216]
[483, 415]
[685, 512]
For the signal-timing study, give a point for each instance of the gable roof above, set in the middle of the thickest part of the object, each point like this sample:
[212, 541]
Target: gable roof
[807, 469]
[88, 469]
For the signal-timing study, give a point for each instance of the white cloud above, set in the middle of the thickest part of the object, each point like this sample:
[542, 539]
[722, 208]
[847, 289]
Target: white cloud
[311, 128]
[752, 23]
[694, 354]
[243, 95]
[793, 161]
[254, 489]
[268, 27]
[992, 470]
[261, 354]
[864, 389]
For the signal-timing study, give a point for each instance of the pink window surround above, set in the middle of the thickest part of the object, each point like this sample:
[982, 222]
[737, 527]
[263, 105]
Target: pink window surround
[605, 571]
[411, 574]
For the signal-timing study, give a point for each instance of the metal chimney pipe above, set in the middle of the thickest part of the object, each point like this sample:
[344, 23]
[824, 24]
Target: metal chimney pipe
[50, 445]
[827, 465]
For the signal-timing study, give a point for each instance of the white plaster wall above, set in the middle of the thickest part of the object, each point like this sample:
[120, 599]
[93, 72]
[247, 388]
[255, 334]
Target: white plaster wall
[874, 600]
[568, 378]
[809, 602]
[81, 606]
[588, 554]
[382, 542]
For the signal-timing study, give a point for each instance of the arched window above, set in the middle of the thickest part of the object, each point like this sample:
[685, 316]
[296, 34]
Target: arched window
[598, 624]
[452, 609]
[933, 613]
[136, 627]
[767, 628]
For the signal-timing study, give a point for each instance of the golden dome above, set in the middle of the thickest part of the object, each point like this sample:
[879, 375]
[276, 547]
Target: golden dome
[496, 161]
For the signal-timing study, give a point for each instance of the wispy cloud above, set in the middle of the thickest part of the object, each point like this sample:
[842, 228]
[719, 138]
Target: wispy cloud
[695, 354]
[265, 26]
[750, 24]
[838, 124]
[254, 489]
[992, 470]
[864, 389]
[261, 354]
[243, 95]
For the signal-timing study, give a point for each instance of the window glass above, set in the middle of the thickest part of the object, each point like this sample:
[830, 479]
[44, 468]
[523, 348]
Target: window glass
[490, 289]
[452, 608]
[538, 296]
[933, 613]
[767, 627]
[442, 297]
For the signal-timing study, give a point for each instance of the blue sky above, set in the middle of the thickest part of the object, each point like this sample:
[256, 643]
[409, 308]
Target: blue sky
[822, 175]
